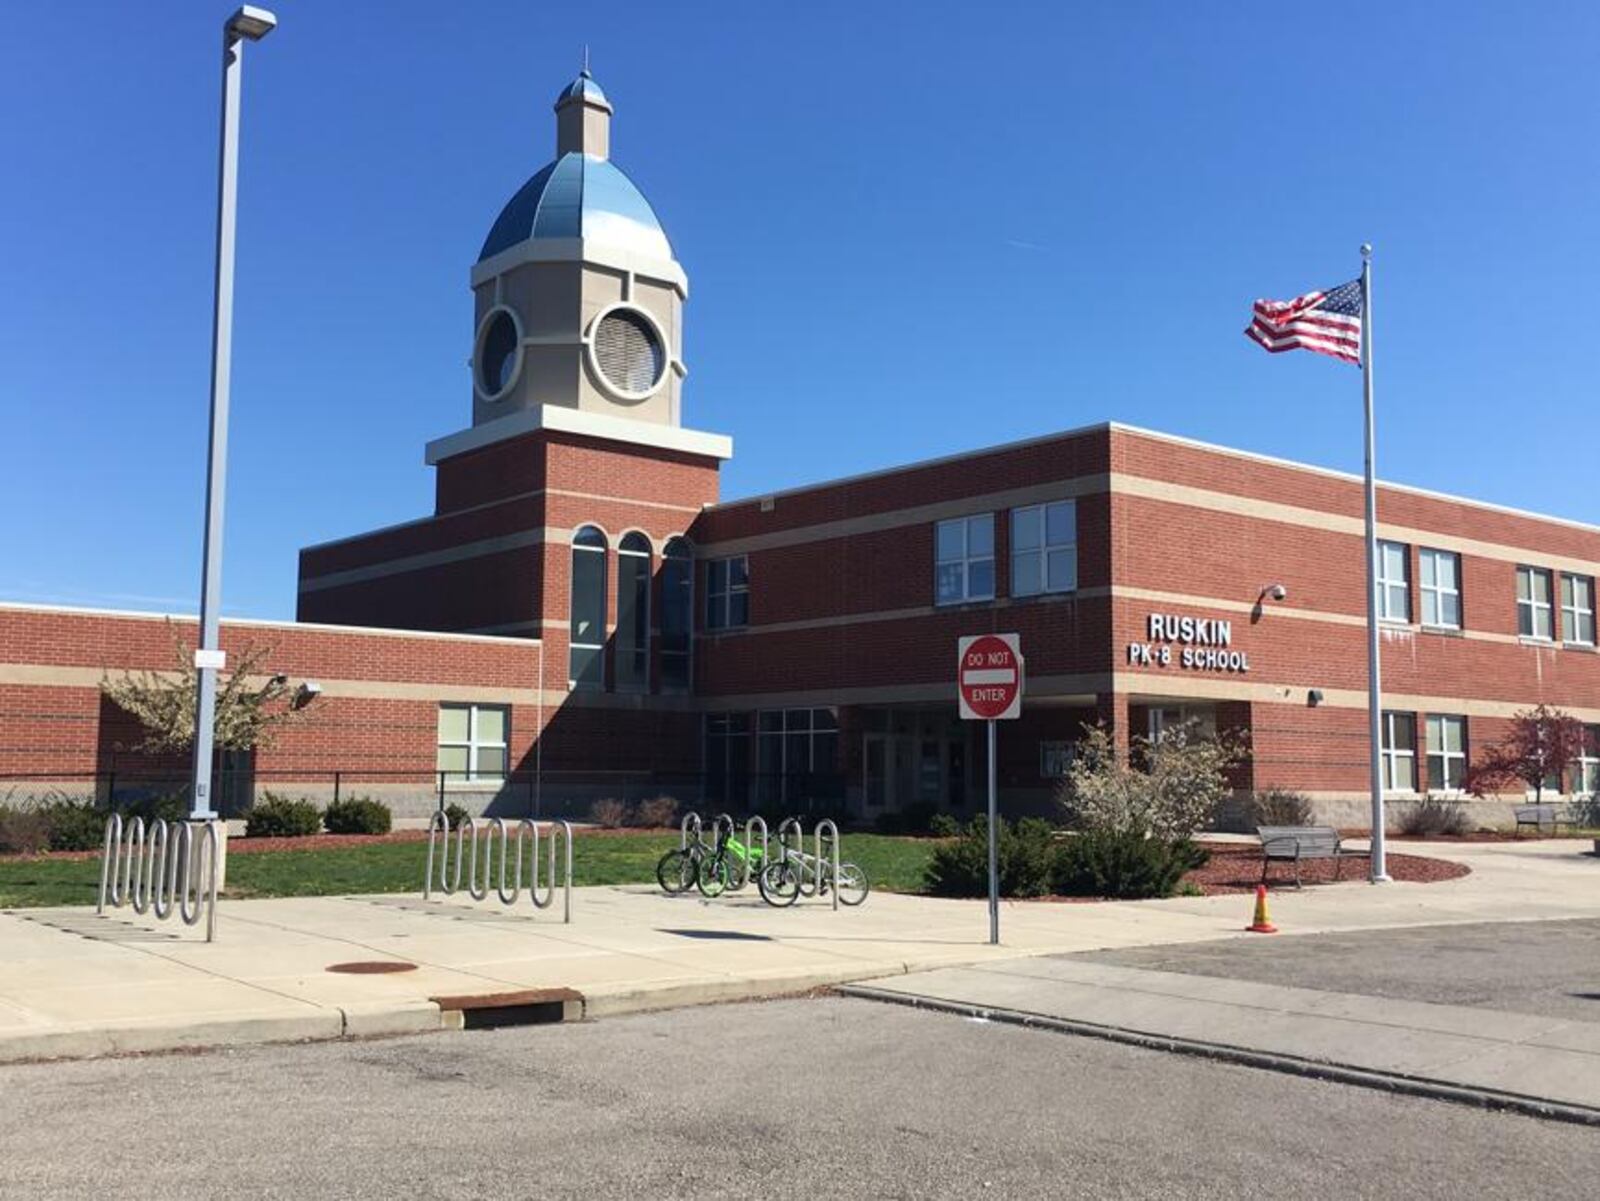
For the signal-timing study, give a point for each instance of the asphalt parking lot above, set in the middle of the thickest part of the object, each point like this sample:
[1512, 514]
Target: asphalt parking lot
[1547, 968]
[818, 1098]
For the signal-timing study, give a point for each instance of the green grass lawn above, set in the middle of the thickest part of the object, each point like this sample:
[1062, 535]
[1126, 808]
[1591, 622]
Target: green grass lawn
[893, 864]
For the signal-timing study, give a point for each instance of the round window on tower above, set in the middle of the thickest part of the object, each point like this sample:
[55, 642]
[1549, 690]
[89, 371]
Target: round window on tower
[628, 352]
[498, 357]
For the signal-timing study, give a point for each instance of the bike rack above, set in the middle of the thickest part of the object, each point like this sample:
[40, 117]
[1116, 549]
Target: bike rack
[689, 819]
[833, 843]
[750, 849]
[480, 855]
[151, 874]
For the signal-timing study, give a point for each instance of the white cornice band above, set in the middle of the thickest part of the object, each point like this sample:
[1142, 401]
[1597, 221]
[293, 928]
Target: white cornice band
[577, 421]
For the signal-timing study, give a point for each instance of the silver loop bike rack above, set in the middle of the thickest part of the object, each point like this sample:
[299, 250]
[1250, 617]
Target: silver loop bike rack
[153, 874]
[486, 855]
[833, 845]
[750, 856]
[690, 821]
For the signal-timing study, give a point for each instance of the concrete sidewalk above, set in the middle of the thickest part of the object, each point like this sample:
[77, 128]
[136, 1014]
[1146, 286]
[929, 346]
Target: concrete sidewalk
[74, 984]
[1535, 1064]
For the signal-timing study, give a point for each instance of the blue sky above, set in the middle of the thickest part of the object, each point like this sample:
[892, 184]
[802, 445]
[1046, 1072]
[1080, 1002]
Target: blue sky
[904, 238]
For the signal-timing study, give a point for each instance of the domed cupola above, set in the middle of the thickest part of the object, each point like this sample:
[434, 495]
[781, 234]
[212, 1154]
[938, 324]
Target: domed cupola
[579, 299]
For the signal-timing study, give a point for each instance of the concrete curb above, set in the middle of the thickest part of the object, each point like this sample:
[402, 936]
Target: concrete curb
[1415, 1086]
[166, 1035]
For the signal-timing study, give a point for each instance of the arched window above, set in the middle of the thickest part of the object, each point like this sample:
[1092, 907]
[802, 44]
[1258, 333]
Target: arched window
[586, 658]
[677, 614]
[633, 613]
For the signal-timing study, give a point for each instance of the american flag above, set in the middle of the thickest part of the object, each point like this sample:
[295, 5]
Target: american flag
[1326, 322]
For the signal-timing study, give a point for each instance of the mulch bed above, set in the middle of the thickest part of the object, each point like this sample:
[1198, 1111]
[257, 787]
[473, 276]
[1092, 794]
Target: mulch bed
[1238, 869]
[238, 844]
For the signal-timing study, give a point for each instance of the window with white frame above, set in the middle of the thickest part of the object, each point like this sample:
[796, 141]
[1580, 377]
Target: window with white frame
[1586, 767]
[964, 559]
[677, 614]
[472, 741]
[1440, 580]
[1044, 548]
[586, 634]
[1447, 752]
[1577, 609]
[631, 659]
[1394, 582]
[1399, 751]
[727, 593]
[1533, 602]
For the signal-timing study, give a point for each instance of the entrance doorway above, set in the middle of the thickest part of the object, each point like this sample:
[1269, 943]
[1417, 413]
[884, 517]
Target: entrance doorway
[913, 758]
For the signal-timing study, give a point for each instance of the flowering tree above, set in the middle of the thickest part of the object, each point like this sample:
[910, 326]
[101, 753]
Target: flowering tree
[1541, 742]
[1181, 779]
[164, 702]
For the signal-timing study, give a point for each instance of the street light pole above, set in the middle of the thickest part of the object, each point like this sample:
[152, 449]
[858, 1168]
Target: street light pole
[248, 24]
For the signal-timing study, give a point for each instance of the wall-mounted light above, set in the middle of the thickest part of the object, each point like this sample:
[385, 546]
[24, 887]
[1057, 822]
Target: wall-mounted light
[1314, 697]
[308, 691]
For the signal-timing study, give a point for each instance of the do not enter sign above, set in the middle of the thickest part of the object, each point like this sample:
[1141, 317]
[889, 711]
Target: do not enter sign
[989, 677]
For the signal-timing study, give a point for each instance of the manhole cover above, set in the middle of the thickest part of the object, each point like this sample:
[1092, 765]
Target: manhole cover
[373, 967]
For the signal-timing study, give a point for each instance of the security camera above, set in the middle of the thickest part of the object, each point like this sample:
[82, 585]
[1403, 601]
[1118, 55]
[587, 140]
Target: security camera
[278, 681]
[1277, 591]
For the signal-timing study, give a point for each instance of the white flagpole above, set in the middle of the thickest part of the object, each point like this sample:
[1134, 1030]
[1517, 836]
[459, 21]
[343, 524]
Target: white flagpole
[1380, 873]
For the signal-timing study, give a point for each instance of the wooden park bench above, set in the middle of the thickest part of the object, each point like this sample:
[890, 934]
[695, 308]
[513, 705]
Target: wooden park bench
[1541, 816]
[1293, 844]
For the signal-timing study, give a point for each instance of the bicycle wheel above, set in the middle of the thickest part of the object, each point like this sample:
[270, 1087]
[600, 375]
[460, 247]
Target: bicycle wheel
[853, 886]
[713, 876]
[675, 872]
[779, 883]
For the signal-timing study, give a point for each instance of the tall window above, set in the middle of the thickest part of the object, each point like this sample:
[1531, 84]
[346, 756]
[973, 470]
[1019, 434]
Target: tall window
[1533, 602]
[1447, 751]
[633, 613]
[677, 614]
[1044, 548]
[1441, 588]
[1399, 752]
[727, 593]
[797, 753]
[728, 758]
[1394, 582]
[586, 636]
[964, 559]
[1586, 767]
[472, 741]
[1577, 609]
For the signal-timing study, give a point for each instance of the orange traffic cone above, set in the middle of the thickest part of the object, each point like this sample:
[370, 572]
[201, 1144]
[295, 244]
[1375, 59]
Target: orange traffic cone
[1263, 923]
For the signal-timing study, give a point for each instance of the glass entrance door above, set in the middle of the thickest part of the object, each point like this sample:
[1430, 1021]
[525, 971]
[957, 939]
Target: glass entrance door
[877, 760]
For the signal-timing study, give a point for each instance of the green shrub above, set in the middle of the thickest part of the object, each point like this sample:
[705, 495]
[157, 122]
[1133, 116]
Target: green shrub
[357, 815]
[456, 814]
[1281, 807]
[275, 816]
[74, 823]
[942, 825]
[165, 806]
[961, 868]
[1434, 815]
[23, 830]
[1122, 865]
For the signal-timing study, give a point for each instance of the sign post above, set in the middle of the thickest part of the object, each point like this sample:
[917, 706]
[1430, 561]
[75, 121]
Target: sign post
[989, 689]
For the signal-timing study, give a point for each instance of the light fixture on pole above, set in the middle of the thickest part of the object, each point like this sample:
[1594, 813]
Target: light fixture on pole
[246, 25]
